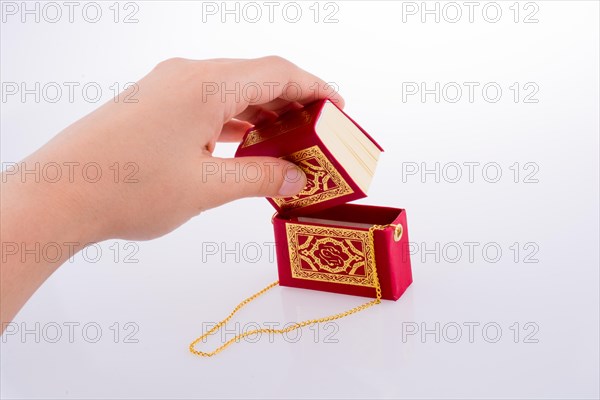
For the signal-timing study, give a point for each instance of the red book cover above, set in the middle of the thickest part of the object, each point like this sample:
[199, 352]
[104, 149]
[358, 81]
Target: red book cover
[293, 137]
[332, 251]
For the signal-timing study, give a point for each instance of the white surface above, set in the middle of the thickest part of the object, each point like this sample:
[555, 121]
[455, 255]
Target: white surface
[368, 54]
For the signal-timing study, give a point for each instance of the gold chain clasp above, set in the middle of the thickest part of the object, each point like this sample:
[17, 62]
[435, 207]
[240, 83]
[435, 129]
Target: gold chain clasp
[398, 231]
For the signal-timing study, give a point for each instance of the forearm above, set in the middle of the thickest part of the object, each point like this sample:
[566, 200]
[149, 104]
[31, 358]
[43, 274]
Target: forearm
[167, 136]
[40, 230]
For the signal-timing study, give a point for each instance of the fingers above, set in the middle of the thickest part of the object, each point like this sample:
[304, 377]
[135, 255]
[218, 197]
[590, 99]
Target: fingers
[264, 88]
[268, 79]
[289, 82]
[256, 114]
[228, 179]
[234, 130]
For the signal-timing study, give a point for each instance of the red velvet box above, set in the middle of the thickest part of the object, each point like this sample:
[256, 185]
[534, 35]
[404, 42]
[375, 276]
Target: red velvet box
[321, 242]
[331, 250]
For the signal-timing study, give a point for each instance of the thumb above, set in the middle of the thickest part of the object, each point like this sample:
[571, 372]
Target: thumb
[234, 178]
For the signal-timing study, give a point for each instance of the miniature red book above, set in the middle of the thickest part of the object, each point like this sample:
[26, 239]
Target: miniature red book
[321, 242]
[336, 154]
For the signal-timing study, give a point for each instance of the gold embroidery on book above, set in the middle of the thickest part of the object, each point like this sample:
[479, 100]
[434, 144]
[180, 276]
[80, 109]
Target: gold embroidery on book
[335, 255]
[323, 181]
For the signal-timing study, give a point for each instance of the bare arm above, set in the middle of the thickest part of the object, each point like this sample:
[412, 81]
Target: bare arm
[167, 138]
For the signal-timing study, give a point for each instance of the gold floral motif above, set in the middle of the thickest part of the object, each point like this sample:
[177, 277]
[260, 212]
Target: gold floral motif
[253, 137]
[323, 181]
[256, 135]
[327, 254]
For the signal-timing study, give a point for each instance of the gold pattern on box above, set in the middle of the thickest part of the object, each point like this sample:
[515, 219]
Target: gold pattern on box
[323, 181]
[334, 255]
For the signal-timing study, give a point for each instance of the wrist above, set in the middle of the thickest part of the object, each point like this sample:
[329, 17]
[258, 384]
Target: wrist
[43, 212]
[40, 230]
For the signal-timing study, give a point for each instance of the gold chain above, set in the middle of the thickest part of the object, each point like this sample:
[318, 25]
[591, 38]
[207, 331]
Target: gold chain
[297, 325]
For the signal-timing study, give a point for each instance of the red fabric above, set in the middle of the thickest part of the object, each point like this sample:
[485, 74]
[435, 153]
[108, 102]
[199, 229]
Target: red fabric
[392, 258]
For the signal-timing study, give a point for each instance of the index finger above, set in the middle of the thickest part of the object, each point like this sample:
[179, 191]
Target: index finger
[268, 78]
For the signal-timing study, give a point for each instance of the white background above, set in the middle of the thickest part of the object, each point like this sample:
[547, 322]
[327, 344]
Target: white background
[369, 52]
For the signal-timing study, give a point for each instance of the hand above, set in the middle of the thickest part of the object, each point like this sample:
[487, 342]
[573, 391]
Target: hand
[163, 145]
[149, 161]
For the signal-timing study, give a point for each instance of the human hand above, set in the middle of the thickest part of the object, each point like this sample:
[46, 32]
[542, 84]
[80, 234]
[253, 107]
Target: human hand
[166, 140]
